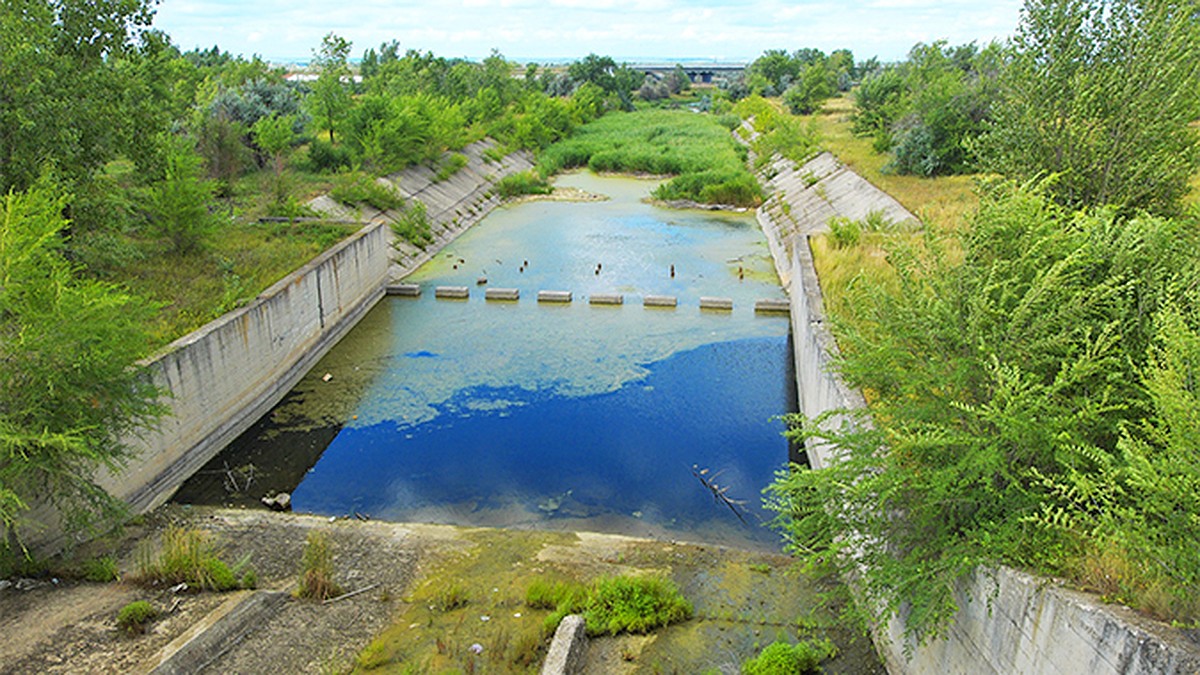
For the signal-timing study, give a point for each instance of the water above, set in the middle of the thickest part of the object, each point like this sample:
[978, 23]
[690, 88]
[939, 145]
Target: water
[620, 419]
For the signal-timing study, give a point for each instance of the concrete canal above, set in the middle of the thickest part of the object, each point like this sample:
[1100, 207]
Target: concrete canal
[523, 414]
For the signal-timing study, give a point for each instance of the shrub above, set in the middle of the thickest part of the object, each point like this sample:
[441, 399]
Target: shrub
[316, 569]
[781, 658]
[413, 225]
[101, 569]
[449, 597]
[355, 187]
[324, 156]
[844, 232]
[134, 617]
[450, 165]
[522, 183]
[634, 605]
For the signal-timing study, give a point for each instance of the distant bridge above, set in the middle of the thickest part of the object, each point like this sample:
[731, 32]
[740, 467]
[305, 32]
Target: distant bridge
[698, 72]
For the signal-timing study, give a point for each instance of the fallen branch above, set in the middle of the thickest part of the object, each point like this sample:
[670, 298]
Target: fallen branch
[351, 594]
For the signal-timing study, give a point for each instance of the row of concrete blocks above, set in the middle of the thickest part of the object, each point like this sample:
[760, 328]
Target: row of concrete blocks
[767, 305]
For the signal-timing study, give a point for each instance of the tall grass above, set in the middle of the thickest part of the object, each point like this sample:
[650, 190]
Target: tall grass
[708, 165]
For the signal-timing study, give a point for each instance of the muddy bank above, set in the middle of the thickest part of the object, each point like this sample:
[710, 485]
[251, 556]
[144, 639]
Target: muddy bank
[743, 601]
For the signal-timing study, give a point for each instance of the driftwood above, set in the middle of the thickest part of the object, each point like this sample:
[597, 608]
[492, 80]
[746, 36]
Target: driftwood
[720, 493]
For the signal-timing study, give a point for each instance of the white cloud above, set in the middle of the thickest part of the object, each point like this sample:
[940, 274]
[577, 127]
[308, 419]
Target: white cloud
[572, 28]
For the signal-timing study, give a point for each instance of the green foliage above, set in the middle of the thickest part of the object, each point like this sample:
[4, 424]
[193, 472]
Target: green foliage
[1101, 94]
[781, 658]
[180, 204]
[844, 232]
[815, 84]
[355, 187]
[633, 605]
[324, 156]
[188, 556]
[449, 597]
[522, 183]
[134, 617]
[316, 569]
[928, 109]
[1007, 400]
[72, 387]
[412, 225]
[330, 99]
[101, 570]
[451, 164]
[389, 133]
[662, 142]
[612, 605]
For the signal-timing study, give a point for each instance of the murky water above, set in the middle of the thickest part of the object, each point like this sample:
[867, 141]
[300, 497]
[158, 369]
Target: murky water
[621, 419]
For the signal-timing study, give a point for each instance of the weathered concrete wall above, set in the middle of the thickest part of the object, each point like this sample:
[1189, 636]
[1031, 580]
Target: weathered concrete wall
[1009, 621]
[224, 376]
[452, 205]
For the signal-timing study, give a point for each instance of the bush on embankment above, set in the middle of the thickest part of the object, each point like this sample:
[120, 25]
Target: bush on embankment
[708, 165]
[1034, 388]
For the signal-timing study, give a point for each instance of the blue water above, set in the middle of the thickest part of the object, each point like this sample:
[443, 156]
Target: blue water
[531, 415]
[621, 455]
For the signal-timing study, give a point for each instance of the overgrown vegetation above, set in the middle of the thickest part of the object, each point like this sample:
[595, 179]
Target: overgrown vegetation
[192, 557]
[1027, 396]
[522, 183]
[316, 569]
[709, 167]
[612, 605]
[134, 617]
[782, 658]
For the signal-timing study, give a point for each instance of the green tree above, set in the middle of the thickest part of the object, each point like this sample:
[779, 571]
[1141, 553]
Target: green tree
[180, 204]
[330, 99]
[276, 135]
[814, 85]
[73, 393]
[1101, 93]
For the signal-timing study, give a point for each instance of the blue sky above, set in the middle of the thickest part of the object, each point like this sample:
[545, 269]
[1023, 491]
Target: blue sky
[551, 29]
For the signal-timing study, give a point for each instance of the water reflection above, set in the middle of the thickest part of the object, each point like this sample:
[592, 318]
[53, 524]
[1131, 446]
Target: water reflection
[526, 414]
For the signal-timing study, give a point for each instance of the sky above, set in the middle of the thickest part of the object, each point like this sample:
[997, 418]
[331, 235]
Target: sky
[546, 30]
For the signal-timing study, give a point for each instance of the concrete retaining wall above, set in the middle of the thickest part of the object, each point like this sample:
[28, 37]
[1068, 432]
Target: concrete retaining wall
[224, 376]
[1009, 621]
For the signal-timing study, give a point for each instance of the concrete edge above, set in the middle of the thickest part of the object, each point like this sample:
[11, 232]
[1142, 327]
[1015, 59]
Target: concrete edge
[223, 628]
[567, 649]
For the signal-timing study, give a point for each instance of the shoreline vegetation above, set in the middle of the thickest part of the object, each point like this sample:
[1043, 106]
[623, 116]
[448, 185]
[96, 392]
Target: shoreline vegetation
[1031, 356]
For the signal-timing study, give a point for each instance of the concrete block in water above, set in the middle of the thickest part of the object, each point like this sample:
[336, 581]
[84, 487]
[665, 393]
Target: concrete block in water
[725, 304]
[773, 306]
[659, 301]
[454, 292]
[554, 296]
[404, 290]
[606, 299]
[566, 650]
[502, 294]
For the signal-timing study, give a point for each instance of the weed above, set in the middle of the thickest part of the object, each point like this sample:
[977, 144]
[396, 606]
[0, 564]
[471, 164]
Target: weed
[316, 569]
[450, 165]
[187, 556]
[355, 187]
[781, 658]
[102, 569]
[373, 656]
[413, 225]
[634, 605]
[844, 232]
[449, 597]
[134, 617]
[522, 183]
[761, 568]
